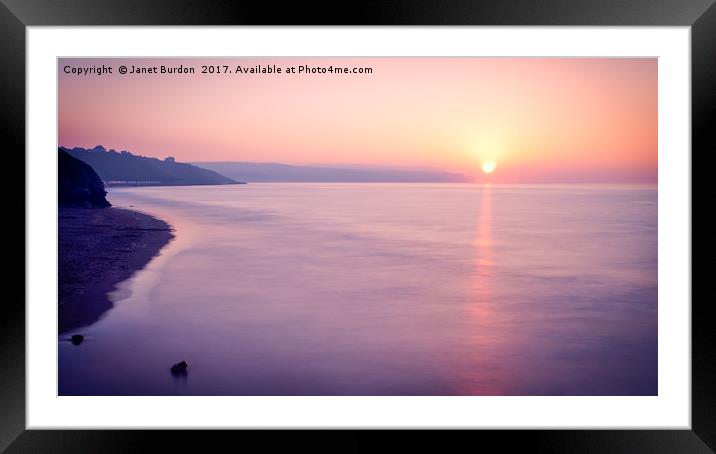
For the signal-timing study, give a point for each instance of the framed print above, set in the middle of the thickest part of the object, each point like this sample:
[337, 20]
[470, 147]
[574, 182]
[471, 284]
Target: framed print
[474, 216]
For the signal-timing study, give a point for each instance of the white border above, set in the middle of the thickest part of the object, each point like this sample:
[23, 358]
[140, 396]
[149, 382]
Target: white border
[671, 409]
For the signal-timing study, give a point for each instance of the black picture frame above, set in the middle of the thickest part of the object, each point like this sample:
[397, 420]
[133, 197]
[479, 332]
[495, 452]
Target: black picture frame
[16, 15]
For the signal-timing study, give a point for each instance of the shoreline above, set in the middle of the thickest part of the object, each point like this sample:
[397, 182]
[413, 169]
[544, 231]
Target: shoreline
[97, 249]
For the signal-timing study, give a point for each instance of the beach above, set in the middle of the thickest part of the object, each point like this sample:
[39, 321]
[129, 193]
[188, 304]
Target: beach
[97, 249]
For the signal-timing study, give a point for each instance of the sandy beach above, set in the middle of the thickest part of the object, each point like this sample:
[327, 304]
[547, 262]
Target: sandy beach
[99, 248]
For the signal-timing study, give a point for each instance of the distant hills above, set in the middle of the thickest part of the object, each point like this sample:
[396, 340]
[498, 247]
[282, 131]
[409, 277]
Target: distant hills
[122, 168]
[272, 172]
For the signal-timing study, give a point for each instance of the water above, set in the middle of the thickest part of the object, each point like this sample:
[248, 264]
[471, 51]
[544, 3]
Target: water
[384, 289]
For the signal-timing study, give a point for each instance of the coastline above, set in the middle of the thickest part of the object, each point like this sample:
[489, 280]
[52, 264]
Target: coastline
[98, 249]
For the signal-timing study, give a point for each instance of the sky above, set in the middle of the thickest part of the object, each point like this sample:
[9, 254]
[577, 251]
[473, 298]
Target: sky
[537, 119]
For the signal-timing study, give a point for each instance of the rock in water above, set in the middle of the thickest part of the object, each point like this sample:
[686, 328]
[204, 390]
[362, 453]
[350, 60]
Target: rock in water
[179, 368]
[77, 339]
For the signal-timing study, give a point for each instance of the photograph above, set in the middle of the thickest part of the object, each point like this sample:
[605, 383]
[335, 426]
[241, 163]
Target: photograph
[357, 226]
[340, 228]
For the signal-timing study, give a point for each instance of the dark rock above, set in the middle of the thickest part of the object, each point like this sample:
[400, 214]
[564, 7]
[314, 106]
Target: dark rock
[77, 339]
[179, 368]
[78, 184]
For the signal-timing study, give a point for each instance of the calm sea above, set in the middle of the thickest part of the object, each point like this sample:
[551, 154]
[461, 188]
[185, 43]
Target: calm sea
[383, 289]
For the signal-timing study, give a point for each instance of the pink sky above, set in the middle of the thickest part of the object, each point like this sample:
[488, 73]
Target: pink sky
[540, 119]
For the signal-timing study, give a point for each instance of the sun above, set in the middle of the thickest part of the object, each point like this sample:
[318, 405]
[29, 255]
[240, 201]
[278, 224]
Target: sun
[489, 166]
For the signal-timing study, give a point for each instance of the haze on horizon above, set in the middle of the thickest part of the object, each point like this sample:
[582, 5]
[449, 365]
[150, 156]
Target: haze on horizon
[538, 119]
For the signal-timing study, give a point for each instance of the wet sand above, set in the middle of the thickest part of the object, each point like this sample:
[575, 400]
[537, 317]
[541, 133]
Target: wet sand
[99, 248]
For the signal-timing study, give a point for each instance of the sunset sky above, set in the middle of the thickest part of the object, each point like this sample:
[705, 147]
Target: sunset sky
[538, 119]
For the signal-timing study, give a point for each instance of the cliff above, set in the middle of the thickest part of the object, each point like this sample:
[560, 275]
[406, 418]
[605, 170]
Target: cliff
[78, 184]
